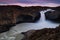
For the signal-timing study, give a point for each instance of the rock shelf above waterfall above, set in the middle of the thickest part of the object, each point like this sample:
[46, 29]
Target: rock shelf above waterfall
[53, 16]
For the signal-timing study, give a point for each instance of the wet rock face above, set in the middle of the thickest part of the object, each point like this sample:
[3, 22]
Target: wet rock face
[53, 16]
[11, 15]
[43, 34]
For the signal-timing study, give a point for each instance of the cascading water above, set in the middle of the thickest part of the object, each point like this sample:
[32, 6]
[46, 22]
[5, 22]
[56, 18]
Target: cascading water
[42, 19]
[44, 22]
[43, 15]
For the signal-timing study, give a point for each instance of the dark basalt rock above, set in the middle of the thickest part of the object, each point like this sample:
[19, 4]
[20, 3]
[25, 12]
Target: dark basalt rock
[53, 16]
[43, 34]
[10, 15]
[5, 28]
[29, 17]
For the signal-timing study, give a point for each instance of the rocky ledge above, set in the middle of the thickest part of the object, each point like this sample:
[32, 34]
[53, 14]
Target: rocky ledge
[10, 15]
[53, 16]
[42, 34]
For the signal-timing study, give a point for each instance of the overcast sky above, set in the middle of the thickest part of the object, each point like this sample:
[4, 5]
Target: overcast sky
[30, 1]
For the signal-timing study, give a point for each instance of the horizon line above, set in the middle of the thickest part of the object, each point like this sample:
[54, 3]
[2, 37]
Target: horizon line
[27, 5]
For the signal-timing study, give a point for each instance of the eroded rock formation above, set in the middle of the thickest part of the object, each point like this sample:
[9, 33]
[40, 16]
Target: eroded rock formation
[53, 15]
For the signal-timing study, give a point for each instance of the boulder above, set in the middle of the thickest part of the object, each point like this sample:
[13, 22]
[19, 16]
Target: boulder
[53, 16]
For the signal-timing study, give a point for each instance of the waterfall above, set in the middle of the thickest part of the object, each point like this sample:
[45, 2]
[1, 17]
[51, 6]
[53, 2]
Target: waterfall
[42, 16]
[43, 22]
[42, 19]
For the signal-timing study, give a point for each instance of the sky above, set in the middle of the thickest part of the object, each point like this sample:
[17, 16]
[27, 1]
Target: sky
[32, 2]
